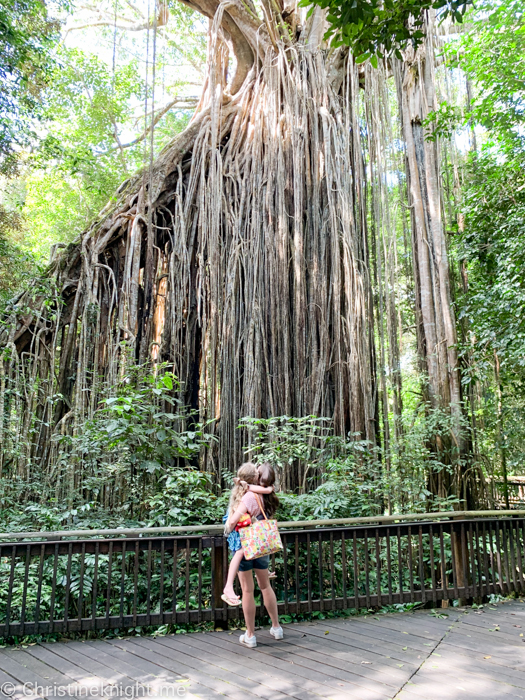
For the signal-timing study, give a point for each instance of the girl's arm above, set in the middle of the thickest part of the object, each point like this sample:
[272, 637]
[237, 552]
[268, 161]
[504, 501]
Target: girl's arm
[234, 519]
[260, 489]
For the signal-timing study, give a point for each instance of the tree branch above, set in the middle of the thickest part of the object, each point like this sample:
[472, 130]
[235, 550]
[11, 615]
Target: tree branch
[184, 102]
[104, 19]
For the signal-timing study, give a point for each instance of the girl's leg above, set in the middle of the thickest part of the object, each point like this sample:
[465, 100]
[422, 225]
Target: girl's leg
[232, 573]
[269, 599]
[248, 601]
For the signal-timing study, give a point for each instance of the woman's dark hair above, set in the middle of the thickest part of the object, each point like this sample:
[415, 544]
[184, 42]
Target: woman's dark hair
[267, 478]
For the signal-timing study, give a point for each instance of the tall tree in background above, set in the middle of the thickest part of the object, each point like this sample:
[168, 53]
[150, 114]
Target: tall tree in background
[406, 32]
[435, 320]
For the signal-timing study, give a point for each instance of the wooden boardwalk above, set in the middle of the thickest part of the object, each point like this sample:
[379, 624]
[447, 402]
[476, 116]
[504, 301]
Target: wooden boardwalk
[471, 654]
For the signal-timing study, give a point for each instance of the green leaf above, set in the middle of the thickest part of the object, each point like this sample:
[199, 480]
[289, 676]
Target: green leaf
[150, 465]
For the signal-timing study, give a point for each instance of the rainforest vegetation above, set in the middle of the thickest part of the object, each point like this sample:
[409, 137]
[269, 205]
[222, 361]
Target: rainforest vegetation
[259, 230]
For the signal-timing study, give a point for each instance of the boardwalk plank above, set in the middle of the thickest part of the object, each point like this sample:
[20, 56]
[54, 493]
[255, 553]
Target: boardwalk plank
[21, 675]
[332, 649]
[359, 641]
[415, 627]
[484, 621]
[315, 662]
[78, 681]
[362, 663]
[383, 632]
[150, 648]
[145, 656]
[439, 692]
[513, 656]
[142, 671]
[34, 665]
[226, 666]
[405, 694]
[507, 632]
[248, 666]
[313, 670]
[458, 646]
[430, 683]
[65, 666]
[381, 638]
[497, 637]
[362, 673]
[304, 678]
[356, 684]
[487, 640]
[216, 666]
[101, 670]
[18, 690]
[385, 657]
[448, 662]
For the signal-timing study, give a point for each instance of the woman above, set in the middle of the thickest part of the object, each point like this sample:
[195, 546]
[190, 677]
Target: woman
[250, 504]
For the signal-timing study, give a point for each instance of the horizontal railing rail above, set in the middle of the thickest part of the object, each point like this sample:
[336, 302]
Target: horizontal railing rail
[285, 524]
[147, 579]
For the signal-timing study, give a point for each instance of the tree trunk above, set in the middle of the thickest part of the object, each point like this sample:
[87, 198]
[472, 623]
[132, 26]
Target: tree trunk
[241, 257]
[435, 321]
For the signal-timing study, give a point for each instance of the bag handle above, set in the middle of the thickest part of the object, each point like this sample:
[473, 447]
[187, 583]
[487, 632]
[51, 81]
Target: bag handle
[260, 504]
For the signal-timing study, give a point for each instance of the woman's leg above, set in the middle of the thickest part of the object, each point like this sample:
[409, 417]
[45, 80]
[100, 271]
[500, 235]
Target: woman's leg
[248, 601]
[232, 573]
[270, 601]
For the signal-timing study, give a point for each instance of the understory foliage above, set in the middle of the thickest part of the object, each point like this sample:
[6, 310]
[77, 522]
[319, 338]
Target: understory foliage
[136, 462]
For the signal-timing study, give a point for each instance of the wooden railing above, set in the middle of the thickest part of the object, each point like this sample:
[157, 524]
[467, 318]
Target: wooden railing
[73, 581]
[516, 490]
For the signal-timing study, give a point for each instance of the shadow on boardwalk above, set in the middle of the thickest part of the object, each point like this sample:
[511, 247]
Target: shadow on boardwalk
[470, 655]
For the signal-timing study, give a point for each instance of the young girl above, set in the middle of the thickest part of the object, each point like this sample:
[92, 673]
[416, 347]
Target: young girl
[247, 478]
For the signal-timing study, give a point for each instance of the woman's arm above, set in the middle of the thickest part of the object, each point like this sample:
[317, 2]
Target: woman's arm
[234, 519]
[261, 489]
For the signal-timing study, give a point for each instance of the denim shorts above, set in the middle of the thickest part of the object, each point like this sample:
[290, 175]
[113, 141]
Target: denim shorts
[259, 563]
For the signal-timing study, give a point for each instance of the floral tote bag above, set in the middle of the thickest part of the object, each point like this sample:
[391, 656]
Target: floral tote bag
[261, 538]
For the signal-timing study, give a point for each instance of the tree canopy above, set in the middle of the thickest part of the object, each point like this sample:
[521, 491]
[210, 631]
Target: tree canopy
[374, 28]
[28, 33]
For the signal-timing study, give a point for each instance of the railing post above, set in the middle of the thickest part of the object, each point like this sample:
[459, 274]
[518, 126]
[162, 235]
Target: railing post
[461, 557]
[219, 563]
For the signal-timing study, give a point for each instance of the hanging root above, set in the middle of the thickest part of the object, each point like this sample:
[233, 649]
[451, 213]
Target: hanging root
[255, 288]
